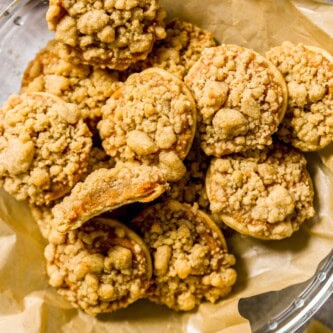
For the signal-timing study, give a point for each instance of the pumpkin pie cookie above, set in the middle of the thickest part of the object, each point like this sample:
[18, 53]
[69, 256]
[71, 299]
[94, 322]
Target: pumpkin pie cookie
[265, 194]
[44, 147]
[150, 119]
[105, 190]
[241, 97]
[308, 71]
[110, 33]
[190, 258]
[101, 267]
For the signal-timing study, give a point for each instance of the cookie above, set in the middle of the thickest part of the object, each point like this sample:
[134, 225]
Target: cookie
[190, 258]
[265, 194]
[105, 190]
[308, 71]
[241, 98]
[44, 147]
[101, 267]
[84, 85]
[150, 119]
[111, 33]
[178, 52]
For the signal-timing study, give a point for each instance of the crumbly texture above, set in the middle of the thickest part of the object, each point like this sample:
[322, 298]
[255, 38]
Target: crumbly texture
[105, 190]
[179, 51]
[241, 99]
[265, 194]
[110, 33]
[191, 188]
[98, 159]
[150, 119]
[190, 259]
[86, 86]
[43, 215]
[308, 71]
[100, 267]
[44, 147]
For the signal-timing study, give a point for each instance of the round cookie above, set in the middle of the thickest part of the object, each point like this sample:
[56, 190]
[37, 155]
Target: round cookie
[111, 33]
[44, 147]
[150, 119]
[308, 71]
[190, 257]
[83, 85]
[105, 190]
[101, 267]
[265, 194]
[178, 52]
[241, 98]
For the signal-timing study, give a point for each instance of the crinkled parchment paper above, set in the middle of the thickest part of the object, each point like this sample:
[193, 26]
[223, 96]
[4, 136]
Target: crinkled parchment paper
[28, 305]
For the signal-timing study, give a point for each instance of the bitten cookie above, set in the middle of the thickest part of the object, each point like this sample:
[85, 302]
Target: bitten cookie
[178, 52]
[265, 194]
[44, 147]
[308, 71]
[83, 85]
[241, 98]
[190, 258]
[111, 33]
[150, 119]
[105, 190]
[101, 267]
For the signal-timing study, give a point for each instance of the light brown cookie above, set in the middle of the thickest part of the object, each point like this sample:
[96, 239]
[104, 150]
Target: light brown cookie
[150, 119]
[101, 267]
[105, 190]
[241, 98]
[111, 33]
[308, 71]
[44, 147]
[83, 85]
[178, 52]
[190, 258]
[265, 194]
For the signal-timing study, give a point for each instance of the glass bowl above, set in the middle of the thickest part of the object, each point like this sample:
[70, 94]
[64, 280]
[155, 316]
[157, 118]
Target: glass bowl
[23, 31]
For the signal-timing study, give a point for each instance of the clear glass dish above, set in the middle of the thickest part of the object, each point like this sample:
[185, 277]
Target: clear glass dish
[23, 31]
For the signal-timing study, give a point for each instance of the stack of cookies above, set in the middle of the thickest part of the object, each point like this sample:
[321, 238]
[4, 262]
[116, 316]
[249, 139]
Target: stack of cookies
[135, 142]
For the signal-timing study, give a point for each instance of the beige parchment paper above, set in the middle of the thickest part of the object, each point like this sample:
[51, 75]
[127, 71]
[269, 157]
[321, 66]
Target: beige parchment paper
[28, 305]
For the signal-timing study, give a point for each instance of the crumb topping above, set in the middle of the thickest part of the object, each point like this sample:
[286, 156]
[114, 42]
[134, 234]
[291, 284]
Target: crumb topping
[151, 119]
[44, 147]
[308, 71]
[266, 194]
[178, 52]
[241, 99]
[190, 259]
[83, 85]
[110, 33]
[100, 267]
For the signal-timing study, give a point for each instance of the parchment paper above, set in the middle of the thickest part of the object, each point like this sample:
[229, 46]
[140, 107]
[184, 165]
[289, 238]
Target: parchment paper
[28, 305]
